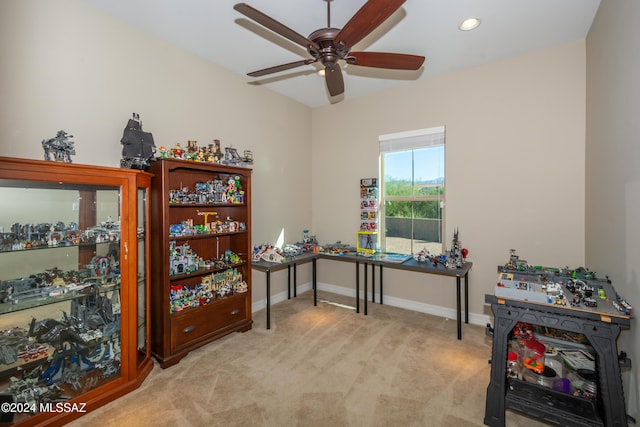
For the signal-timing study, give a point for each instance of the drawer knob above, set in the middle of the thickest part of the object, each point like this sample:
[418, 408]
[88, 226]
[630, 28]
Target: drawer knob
[189, 329]
[235, 311]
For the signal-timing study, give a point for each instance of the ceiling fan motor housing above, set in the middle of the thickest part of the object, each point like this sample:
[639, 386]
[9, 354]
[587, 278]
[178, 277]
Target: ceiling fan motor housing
[328, 54]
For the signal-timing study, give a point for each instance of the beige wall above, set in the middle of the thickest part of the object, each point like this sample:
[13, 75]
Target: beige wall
[67, 66]
[514, 165]
[613, 160]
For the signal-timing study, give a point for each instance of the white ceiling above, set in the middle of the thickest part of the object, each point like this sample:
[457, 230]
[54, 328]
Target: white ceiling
[213, 30]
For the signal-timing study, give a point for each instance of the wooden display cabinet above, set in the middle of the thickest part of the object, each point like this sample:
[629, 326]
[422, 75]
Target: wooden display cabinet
[201, 255]
[74, 312]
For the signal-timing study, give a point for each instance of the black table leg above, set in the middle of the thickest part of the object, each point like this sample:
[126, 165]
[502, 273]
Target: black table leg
[295, 280]
[268, 300]
[314, 283]
[288, 282]
[381, 285]
[365, 288]
[357, 286]
[373, 283]
[459, 309]
[466, 298]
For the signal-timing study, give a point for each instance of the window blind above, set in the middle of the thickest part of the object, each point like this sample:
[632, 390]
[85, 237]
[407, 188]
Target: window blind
[410, 140]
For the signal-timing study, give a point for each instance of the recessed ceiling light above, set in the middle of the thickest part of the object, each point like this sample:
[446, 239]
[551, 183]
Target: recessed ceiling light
[469, 24]
[321, 72]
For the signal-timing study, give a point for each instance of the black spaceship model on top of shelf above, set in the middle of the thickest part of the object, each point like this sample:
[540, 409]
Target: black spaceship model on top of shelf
[59, 147]
[138, 148]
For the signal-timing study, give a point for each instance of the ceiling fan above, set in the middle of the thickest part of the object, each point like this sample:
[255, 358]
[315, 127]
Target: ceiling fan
[330, 45]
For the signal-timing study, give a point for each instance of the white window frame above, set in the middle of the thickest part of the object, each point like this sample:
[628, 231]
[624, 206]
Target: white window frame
[404, 141]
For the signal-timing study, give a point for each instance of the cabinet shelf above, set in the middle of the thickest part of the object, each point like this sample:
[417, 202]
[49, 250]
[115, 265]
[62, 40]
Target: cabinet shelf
[34, 302]
[203, 272]
[203, 235]
[550, 405]
[206, 205]
[194, 311]
[59, 246]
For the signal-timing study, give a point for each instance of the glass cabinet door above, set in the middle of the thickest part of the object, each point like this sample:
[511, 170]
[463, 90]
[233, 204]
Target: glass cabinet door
[142, 278]
[60, 296]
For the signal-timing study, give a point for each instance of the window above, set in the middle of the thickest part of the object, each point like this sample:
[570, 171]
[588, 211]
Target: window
[412, 191]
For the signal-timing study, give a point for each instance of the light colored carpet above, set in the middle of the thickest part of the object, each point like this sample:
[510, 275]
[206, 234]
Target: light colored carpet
[321, 366]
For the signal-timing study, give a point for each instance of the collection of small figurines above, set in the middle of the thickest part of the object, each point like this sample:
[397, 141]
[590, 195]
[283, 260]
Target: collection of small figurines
[209, 154]
[219, 284]
[184, 260]
[31, 236]
[138, 148]
[59, 147]
[187, 228]
[214, 191]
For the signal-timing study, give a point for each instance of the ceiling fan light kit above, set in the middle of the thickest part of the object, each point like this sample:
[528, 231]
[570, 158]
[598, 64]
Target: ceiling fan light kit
[329, 45]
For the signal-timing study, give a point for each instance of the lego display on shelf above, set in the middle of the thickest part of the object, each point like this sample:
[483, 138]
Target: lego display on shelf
[184, 260]
[138, 148]
[578, 288]
[369, 204]
[212, 153]
[218, 284]
[59, 148]
[33, 236]
[212, 192]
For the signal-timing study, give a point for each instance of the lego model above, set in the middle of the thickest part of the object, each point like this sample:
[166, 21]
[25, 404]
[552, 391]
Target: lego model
[59, 147]
[578, 288]
[138, 148]
[268, 253]
[456, 254]
[231, 157]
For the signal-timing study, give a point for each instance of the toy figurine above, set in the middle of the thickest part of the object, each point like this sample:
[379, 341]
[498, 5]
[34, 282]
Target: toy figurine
[59, 146]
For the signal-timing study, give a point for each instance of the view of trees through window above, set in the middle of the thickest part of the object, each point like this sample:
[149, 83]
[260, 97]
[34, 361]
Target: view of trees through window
[413, 190]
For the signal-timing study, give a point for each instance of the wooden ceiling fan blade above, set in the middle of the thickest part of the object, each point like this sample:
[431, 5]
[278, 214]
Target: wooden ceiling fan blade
[368, 18]
[275, 26]
[334, 79]
[282, 67]
[393, 61]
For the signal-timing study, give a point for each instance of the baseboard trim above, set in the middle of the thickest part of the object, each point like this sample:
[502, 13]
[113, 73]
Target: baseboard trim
[436, 310]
